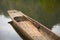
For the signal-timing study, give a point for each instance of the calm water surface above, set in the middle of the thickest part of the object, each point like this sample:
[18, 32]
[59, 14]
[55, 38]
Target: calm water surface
[6, 30]
[56, 29]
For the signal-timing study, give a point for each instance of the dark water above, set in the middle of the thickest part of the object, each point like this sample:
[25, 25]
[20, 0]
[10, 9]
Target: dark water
[46, 12]
[6, 30]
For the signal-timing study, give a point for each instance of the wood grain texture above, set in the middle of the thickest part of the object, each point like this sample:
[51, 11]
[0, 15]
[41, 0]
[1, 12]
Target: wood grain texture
[30, 28]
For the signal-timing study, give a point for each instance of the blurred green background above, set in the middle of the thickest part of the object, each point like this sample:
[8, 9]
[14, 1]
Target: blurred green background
[46, 12]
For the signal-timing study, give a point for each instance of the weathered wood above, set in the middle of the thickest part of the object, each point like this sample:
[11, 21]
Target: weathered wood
[30, 28]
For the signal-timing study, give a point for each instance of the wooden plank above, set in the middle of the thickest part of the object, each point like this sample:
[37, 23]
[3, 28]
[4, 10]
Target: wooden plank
[30, 28]
[26, 26]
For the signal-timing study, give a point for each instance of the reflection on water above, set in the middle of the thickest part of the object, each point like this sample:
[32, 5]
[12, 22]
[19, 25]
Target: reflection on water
[6, 31]
[56, 29]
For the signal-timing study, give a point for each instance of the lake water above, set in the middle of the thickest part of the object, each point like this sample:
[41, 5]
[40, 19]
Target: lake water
[6, 30]
[8, 33]
[56, 29]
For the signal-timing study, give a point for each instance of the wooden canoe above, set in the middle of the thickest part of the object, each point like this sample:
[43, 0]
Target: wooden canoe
[30, 28]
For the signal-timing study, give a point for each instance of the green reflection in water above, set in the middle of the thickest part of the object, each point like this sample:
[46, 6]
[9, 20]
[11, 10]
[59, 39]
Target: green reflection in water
[45, 11]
